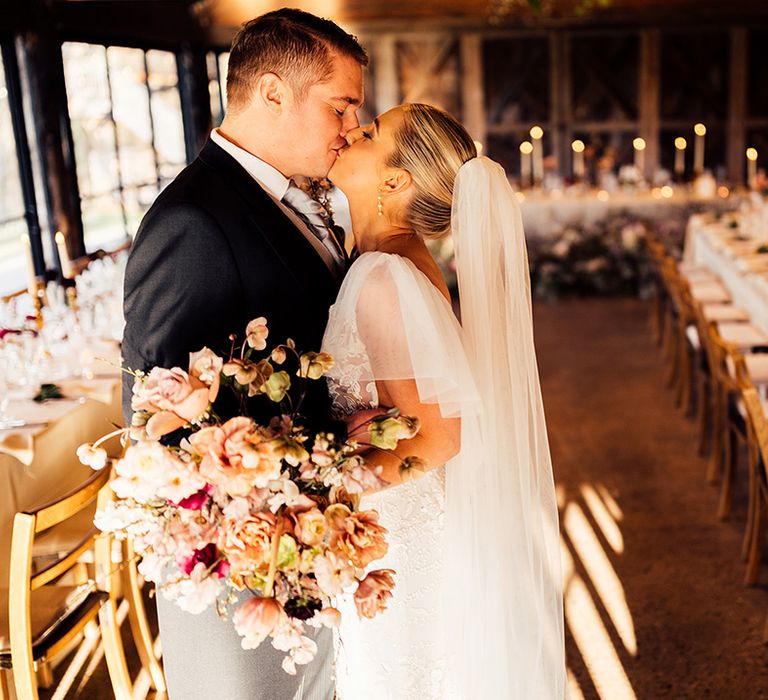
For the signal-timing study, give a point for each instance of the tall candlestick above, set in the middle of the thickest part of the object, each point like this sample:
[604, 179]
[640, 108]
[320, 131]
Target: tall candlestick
[525, 163]
[680, 144]
[698, 149]
[66, 263]
[639, 144]
[578, 159]
[752, 168]
[537, 134]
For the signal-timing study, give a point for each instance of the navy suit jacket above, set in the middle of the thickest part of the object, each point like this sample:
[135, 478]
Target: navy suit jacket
[213, 252]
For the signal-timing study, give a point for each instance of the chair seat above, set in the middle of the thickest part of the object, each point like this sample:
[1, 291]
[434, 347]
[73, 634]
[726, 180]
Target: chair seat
[724, 312]
[54, 610]
[710, 292]
[743, 335]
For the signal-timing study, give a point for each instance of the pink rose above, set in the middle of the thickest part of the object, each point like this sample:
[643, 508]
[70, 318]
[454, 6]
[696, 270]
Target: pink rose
[256, 619]
[197, 500]
[359, 537]
[172, 396]
[235, 457]
[333, 573]
[360, 478]
[310, 527]
[206, 365]
[210, 557]
[248, 544]
[373, 592]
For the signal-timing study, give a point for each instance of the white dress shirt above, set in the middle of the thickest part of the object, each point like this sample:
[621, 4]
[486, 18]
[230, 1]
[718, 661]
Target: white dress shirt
[275, 184]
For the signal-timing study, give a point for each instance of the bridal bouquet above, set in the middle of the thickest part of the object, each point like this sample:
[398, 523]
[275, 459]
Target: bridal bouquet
[242, 506]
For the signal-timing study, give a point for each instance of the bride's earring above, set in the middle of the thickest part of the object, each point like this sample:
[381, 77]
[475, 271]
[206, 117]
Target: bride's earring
[380, 207]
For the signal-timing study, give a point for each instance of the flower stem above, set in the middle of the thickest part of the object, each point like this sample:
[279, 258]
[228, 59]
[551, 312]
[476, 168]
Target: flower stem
[106, 437]
[269, 588]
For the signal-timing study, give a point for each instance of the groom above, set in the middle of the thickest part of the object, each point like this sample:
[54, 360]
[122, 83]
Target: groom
[233, 238]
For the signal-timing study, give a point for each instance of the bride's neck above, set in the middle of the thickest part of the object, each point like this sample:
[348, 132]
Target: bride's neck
[380, 236]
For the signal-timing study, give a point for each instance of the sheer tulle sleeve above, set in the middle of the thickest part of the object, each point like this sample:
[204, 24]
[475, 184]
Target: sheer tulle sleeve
[408, 330]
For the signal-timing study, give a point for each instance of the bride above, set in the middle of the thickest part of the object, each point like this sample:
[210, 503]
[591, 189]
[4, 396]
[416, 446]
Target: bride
[477, 607]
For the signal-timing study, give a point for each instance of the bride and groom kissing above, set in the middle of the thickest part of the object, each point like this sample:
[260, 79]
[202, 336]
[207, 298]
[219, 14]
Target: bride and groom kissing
[477, 612]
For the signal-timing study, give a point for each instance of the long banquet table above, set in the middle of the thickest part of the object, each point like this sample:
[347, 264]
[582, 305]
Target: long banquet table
[720, 246]
[39, 464]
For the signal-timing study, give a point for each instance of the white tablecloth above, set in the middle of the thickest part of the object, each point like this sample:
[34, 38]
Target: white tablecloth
[547, 214]
[54, 468]
[718, 247]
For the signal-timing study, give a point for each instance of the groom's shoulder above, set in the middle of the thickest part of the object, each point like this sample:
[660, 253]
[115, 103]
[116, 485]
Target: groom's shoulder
[195, 196]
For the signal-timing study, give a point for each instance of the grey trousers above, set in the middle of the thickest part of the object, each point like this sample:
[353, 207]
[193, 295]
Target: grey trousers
[203, 660]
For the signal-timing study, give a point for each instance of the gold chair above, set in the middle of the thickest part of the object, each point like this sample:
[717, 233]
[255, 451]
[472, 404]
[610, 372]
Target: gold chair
[730, 375]
[121, 578]
[758, 512]
[657, 255]
[44, 615]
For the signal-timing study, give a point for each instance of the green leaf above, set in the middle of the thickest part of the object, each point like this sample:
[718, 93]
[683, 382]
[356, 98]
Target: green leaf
[384, 433]
[276, 387]
[287, 553]
[48, 392]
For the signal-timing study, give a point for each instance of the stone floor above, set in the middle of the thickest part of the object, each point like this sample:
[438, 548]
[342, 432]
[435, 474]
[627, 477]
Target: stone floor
[655, 606]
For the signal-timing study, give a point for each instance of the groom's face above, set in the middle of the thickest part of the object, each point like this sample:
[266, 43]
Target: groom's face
[320, 121]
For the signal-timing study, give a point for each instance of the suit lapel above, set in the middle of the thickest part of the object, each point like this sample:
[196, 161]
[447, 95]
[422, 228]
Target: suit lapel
[288, 243]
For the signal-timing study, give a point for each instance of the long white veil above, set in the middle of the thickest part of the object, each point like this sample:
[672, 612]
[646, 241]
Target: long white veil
[501, 511]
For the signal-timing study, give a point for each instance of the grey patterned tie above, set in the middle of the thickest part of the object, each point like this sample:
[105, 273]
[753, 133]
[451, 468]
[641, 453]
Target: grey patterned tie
[316, 217]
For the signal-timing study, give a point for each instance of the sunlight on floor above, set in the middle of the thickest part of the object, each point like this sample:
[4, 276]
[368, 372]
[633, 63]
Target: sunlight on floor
[596, 609]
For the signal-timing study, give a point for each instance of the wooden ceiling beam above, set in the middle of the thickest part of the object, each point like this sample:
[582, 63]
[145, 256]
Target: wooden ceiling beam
[157, 23]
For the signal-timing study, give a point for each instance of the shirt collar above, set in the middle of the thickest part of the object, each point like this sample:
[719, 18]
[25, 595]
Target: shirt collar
[269, 177]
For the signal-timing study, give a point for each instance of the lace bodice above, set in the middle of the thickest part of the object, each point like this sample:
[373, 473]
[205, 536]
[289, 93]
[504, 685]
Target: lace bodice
[349, 380]
[399, 654]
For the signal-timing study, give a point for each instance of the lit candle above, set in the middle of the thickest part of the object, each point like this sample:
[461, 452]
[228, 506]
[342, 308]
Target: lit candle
[525, 163]
[698, 149]
[537, 134]
[680, 144]
[31, 276]
[639, 144]
[578, 159]
[752, 168]
[66, 263]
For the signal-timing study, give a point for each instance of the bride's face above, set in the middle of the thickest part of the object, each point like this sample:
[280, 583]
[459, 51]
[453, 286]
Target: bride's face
[360, 167]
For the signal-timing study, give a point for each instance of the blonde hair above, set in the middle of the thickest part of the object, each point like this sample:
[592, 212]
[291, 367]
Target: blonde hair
[431, 145]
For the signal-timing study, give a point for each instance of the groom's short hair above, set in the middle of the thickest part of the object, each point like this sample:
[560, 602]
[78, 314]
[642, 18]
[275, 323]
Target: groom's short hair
[295, 45]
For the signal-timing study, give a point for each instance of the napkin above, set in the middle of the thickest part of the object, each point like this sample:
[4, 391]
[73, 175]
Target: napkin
[19, 442]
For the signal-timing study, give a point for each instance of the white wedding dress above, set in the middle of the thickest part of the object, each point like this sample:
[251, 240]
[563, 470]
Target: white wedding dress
[477, 607]
[400, 653]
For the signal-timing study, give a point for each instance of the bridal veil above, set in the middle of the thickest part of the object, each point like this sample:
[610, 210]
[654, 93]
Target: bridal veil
[504, 575]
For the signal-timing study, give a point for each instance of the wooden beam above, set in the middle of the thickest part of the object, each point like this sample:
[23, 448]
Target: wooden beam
[195, 99]
[141, 23]
[472, 86]
[384, 53]
[650, 71]
[43, 71]
[560, 100]
[737, 106]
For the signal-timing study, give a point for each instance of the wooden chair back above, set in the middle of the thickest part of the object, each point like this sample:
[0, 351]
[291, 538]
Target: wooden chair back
[37, 595]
